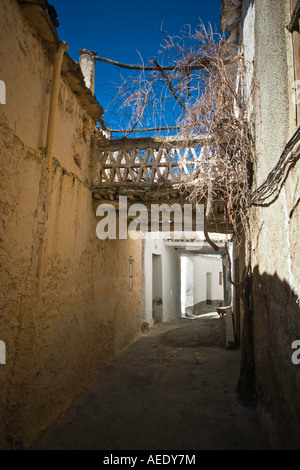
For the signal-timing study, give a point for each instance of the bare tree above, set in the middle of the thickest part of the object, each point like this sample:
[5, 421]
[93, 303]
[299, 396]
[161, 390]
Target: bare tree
[196, 83]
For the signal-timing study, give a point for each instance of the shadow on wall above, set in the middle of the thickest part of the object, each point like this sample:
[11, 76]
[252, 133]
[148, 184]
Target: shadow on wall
[276, 326]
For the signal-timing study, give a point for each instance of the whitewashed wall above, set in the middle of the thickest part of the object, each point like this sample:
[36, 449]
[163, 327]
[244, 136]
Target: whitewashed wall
[193, 274]
[170, 279]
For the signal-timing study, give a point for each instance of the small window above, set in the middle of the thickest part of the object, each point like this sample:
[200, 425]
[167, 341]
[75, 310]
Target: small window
[220, 278]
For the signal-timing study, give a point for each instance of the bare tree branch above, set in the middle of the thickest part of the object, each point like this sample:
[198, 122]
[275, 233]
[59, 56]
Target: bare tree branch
[201, 63]
[203, 75]
[168, 82]
[148, 129]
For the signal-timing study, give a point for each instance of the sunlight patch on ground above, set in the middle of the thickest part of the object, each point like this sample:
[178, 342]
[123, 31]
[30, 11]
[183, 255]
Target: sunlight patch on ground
[211, 315]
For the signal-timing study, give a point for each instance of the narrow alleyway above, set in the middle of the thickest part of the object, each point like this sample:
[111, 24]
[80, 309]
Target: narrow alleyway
[173, 389]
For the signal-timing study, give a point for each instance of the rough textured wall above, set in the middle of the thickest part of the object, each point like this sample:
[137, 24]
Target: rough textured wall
[275, 234]
[56, 341]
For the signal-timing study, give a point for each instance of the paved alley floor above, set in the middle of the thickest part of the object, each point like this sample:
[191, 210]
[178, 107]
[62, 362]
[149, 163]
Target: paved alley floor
[173, 389]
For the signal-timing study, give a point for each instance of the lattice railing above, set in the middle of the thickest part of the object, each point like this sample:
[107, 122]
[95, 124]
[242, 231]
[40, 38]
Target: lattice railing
[148, 161]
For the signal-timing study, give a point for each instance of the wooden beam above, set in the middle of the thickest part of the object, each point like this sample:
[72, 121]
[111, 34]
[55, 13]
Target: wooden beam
[143, 143]
[200, 64]
[216, 225]
[109, 166]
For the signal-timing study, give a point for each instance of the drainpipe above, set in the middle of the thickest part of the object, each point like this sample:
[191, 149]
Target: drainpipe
[57, 64]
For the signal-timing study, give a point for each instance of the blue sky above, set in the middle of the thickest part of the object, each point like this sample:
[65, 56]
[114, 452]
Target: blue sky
[119, 29]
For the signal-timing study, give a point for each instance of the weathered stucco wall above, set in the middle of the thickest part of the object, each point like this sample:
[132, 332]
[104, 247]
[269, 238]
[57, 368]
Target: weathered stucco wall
[275, 232]
[259, 27]
[58, 332]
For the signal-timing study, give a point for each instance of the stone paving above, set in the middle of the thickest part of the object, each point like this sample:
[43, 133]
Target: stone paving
[173, 389]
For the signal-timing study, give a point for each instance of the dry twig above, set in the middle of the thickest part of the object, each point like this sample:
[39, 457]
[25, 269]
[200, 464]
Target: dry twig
[211, 103]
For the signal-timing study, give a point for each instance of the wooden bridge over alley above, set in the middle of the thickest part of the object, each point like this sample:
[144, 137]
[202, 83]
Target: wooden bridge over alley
[154, 170]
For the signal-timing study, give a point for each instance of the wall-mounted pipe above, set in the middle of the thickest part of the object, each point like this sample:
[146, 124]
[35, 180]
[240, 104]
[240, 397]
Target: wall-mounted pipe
[57, 65]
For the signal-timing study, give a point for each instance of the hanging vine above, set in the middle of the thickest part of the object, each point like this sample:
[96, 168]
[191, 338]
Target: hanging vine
[204, 79]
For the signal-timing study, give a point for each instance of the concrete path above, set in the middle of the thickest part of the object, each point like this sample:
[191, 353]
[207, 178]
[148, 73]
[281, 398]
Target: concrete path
[173, 389]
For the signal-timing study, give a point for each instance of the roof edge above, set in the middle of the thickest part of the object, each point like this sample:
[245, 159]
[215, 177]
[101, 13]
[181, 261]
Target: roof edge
[43, 18]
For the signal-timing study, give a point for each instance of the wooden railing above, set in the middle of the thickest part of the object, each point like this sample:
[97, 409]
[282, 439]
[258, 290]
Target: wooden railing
[149, 160]
[151, 170]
